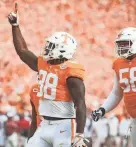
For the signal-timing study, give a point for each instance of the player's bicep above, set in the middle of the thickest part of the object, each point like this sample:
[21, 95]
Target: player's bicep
[30, 59]
[76, 88]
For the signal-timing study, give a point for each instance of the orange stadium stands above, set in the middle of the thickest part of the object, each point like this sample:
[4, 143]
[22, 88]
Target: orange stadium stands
[94, 23]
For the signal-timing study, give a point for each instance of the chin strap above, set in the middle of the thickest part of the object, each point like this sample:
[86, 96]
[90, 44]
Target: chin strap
[57, 61]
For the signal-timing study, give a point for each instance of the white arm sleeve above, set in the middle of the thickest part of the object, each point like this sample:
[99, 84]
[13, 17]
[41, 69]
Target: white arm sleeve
[114, 97]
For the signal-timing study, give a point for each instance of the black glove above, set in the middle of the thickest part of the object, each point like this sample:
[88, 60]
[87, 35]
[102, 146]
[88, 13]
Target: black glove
[97, 114]
[13, 19]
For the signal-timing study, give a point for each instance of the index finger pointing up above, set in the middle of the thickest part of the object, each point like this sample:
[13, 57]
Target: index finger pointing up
[16, 7]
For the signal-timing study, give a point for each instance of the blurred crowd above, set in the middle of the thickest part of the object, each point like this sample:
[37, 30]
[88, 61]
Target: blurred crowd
[94, 23]
[107, 132]
[14, 129]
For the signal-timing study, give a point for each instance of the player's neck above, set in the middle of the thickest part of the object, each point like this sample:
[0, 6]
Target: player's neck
[56, 61]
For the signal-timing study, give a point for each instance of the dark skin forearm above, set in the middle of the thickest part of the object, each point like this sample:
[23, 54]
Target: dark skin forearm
[33, 125]
[32, 129]
[25, 55]
[77, 90]
[80, 117]
[18, 40]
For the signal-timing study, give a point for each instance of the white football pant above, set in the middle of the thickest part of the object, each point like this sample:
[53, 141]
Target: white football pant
[56, 133]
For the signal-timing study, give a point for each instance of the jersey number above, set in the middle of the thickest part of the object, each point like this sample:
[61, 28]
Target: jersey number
[47, 81]
[129, 82]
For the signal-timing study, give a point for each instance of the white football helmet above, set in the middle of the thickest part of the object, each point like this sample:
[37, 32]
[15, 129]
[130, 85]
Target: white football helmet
[128, 36]
[59, 45]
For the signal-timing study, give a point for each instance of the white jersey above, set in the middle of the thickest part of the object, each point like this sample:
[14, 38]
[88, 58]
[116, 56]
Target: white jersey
[56, 109]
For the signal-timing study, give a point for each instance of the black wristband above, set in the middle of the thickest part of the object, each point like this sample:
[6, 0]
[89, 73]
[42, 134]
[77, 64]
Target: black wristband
[103, 110]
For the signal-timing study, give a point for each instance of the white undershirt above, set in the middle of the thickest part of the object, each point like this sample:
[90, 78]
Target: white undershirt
[114, 97]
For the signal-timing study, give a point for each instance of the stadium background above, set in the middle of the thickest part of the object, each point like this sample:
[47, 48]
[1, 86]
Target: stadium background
[94, 23]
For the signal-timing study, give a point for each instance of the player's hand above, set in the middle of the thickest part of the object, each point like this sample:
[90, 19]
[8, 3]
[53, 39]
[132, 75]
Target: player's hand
[97, 114]
[79, 141]
[13, 16]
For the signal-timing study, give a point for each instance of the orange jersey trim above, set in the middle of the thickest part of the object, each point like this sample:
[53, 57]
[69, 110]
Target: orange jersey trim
[55, 87]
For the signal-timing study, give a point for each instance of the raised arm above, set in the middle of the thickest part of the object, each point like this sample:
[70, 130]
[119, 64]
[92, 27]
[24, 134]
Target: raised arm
[21, 48]
[19, 43]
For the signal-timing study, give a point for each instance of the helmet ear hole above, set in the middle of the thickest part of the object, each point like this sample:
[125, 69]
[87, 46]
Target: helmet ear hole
[62, 51]
[60, 56]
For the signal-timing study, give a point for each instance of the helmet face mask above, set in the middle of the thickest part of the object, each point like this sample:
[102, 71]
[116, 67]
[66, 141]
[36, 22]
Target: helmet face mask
[60, 45]
[126, 43]
[49, 47]
[124, 48]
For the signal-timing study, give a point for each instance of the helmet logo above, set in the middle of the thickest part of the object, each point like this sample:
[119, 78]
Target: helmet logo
[120, 35]
[66, 38]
